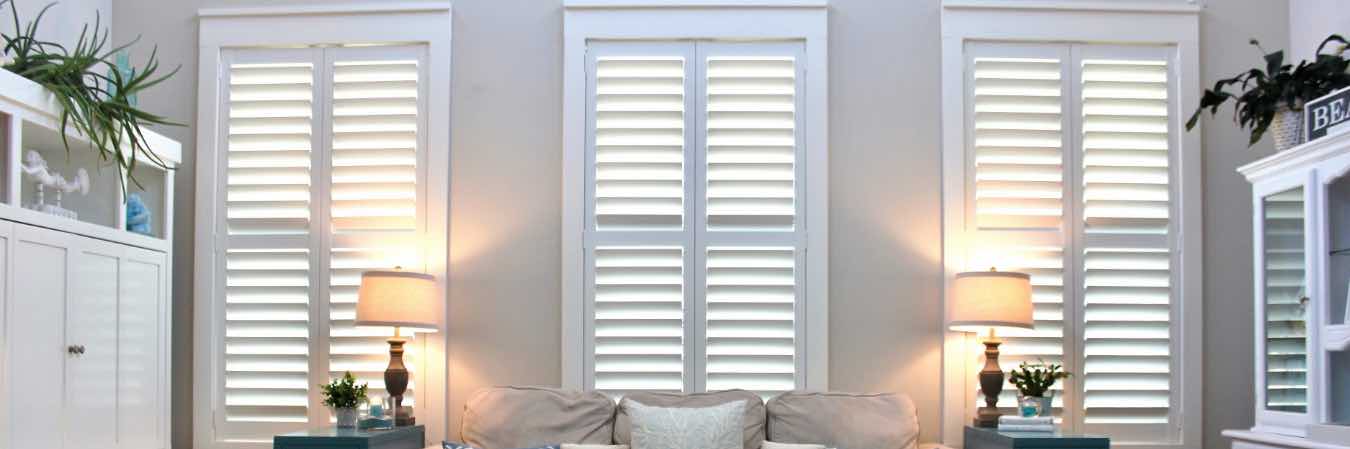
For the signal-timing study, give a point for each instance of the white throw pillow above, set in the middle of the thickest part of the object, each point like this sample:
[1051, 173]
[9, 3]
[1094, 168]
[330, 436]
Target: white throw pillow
[716, 427]
[773, 445]
[595, 446]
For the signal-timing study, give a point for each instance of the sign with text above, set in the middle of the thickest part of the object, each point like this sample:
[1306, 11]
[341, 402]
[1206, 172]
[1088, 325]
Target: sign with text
[1321, 116]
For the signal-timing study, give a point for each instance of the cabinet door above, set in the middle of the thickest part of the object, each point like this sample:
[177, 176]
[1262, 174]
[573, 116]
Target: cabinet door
[142, 294]
[91, 326]
[1284, 368]
[37, 349]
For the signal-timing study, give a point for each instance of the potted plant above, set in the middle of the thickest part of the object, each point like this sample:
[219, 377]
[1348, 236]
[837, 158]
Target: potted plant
[1276, 95]
[94, 94]
[343, 395]
[1033, 382]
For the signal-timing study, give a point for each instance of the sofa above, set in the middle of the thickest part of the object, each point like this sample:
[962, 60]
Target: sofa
[522, 417]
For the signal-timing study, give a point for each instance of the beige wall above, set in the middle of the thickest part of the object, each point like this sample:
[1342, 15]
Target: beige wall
[885, 196]
[1311, 21]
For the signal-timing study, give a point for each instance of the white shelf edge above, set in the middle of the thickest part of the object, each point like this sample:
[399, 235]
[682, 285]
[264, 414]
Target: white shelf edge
[1305, 153]
[91, 230]
[40, 103]
[1279, 440]
[391, 7]
[1190, 7]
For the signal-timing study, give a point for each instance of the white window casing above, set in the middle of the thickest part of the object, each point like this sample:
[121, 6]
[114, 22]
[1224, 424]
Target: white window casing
[694, 181]
[317, 161]
[1064, 158]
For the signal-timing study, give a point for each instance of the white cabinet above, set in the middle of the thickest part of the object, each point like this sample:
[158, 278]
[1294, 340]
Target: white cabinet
[85, 336]
[1301, 224]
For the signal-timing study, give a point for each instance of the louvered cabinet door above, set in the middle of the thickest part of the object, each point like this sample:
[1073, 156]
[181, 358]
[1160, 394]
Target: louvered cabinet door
[268, 276]
[638, 234]
[1284, 307]
[750, 222]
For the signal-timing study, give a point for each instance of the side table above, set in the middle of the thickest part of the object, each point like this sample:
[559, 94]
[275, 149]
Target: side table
[407, 437]
[990, 438]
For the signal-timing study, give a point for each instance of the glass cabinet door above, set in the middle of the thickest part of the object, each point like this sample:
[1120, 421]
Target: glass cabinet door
[1286, 302]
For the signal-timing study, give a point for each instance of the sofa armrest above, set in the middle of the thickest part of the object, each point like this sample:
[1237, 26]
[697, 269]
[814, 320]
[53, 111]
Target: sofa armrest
[933, 446]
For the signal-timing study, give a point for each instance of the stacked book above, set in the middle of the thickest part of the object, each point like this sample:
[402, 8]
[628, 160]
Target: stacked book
[1026, 424]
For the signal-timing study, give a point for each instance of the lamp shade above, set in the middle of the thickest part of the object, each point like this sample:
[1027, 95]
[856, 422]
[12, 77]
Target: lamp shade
[398, 298]
[982, 300]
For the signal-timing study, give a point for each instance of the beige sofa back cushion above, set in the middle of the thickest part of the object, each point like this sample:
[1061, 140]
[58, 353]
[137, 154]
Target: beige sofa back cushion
[753, 423]
[515, 417]
[845, 421]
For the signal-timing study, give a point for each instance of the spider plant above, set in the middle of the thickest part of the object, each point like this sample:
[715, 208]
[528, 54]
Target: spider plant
[94, 100]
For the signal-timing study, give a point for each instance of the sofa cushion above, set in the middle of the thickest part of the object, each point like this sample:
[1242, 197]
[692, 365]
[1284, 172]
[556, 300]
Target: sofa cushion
[753, 424]
[845, 421]
[716, 427]
[514, 417]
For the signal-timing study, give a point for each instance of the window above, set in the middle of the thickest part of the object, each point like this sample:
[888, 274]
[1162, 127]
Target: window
[697, 206]
[1068, 161]
[320, 164]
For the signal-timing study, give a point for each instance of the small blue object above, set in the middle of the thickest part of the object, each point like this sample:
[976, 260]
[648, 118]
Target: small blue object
[138, 216]
[407, 437]
[988, 438]
[375, 422]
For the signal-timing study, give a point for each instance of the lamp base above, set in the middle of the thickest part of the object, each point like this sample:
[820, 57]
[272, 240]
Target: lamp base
[396, 379]
[991, 383]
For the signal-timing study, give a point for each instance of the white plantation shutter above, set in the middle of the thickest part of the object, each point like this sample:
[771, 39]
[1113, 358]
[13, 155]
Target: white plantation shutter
[322, 169]
[267, 279]
[1126, 249]
[1286, 329]
[694, 231]
[1071, 150]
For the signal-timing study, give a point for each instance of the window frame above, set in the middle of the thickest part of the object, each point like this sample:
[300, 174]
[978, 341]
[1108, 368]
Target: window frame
[670, 20]
[224, 29]
[1066, 22]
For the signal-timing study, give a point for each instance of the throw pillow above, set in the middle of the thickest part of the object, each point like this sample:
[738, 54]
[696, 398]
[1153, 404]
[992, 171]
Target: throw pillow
[716, 427]
[773, 445]
[449, 445]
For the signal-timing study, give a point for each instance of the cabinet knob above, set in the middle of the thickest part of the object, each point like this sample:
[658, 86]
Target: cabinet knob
[75, 349]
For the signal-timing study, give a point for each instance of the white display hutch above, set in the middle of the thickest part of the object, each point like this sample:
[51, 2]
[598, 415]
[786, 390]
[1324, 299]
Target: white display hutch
[84, 322]
[1301, 227]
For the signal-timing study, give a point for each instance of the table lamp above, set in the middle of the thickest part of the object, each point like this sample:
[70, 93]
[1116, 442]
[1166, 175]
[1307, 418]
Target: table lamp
[985, 301]
[406, 301]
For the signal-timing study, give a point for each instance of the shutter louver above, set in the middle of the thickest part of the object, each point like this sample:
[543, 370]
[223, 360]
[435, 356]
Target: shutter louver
[639, 143]
[1018, 143]
[374, 158]
[1127, 299]
[751, 143]
[639, 319]
[267, 191]
[751, 305]
[266, 336]
[1286, 328]
[267, 271]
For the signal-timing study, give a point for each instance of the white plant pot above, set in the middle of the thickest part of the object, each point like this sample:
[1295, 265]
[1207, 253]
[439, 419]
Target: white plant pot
[346, 417]
[1287, 128]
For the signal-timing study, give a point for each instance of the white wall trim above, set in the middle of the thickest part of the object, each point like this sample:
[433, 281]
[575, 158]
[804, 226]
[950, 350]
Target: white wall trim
[1175, 7]
[804, 20]
[965, 21]
[427, 24]
[308, 10]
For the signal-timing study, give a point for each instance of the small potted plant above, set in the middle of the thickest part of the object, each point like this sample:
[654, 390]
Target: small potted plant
[1276, 95]
[343, 396]
[1033, 382]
